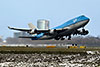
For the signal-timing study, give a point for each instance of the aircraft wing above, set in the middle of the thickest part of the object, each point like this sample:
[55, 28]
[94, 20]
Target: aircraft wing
[38, 31]
[27, 37]
[19, 29]
[47, 30]
[61, 29]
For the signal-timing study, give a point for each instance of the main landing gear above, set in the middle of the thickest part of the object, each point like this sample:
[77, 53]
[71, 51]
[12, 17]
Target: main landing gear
[59, 38]
[69, 37]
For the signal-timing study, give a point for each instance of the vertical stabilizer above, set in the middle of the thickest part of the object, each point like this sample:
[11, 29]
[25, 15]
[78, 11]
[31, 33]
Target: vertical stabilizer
[31, 26]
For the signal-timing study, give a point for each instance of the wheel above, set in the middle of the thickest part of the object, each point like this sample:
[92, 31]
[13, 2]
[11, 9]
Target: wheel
[57, 38]
[62, 38]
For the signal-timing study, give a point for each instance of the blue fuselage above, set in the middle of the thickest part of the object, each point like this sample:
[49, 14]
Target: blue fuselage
[69, 27]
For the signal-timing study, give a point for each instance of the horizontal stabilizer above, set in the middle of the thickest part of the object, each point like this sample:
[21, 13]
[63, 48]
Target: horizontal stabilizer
[19, 29]
[26, 37]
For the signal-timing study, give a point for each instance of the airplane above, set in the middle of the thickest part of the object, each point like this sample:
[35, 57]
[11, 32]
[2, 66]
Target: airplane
[71, 27]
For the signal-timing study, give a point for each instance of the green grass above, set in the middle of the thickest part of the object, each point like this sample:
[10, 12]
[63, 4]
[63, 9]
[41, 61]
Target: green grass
[45, 50]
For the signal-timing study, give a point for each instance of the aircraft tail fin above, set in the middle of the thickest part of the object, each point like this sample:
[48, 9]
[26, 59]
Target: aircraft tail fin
[31, 26]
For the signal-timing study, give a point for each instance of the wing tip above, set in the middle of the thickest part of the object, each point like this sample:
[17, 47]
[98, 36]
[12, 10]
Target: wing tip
[9, 27]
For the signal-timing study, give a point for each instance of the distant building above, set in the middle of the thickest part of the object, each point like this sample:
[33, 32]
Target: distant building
[43, 24]
[1, 37]
[17, 34]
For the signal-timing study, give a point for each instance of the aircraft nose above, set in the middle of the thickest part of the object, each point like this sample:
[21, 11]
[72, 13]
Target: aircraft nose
[88, 20]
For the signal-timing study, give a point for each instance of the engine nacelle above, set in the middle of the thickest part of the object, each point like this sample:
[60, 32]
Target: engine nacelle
[33, 31]
[84, 32]
[52, 31]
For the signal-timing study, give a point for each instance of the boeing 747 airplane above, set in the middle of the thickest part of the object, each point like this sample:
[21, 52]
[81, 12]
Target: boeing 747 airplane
[67, 29]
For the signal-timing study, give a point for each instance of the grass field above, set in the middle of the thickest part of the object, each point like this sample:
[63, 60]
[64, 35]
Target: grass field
[46, 50]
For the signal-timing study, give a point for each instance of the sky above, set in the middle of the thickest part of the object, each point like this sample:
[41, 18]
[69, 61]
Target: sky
[18, 13]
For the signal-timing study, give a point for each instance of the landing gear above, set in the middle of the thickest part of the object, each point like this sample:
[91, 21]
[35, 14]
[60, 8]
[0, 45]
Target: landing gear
[57, 38]
[69, 37]
[62, 38]
[83, 30]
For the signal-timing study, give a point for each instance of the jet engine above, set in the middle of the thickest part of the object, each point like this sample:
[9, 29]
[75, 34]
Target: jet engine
[84, 32]
[52, 31]
[33, 31]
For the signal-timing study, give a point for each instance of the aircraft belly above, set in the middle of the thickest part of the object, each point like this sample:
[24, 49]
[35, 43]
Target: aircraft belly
[67, 32]
[45, 38]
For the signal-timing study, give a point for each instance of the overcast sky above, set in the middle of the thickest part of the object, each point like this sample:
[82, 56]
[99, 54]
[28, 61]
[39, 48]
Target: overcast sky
[18, 13]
